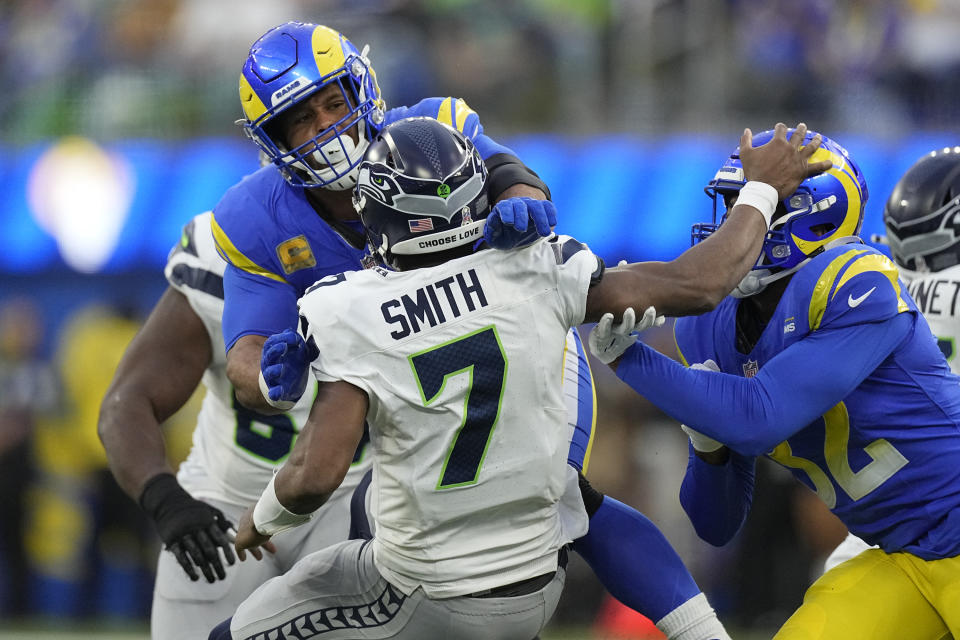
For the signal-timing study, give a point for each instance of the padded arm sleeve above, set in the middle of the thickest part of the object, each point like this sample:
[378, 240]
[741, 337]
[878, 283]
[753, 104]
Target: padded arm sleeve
[754, 415]
[507, 170]
[254, 305]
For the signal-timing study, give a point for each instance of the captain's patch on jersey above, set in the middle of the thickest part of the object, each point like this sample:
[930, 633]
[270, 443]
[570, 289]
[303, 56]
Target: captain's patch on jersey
[295, 254]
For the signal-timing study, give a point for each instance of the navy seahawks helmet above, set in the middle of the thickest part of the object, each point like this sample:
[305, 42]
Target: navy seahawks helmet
[421, 189]
[922, 215]
[825, 209]
[287, 65]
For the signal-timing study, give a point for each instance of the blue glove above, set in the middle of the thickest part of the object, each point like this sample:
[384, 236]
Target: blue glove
[508, 222]
[284, 368]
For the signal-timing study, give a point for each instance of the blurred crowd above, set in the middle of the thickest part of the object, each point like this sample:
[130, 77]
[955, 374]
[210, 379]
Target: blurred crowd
[168, 68]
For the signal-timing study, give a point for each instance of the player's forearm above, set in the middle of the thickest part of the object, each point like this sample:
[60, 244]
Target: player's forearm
[707, 272]
[243, 370]
[133, 440]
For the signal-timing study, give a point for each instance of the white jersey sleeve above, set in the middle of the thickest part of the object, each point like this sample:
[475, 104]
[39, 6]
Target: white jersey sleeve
[463, 367]
[937, 295]
[234, 450]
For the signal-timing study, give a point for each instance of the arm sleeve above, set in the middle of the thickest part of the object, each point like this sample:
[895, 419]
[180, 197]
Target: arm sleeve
[717, 498]
[254, 305]
[753, 415]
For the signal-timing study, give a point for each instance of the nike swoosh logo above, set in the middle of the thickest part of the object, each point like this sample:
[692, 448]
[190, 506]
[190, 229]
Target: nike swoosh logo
[853, 302]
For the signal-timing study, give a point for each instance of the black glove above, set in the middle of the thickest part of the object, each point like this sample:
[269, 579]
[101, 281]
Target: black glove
[192, 530]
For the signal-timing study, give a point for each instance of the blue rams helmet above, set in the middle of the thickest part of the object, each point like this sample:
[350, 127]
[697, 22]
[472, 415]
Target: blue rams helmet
[922, 215]
[286, 66]
[824, 210]
[421, 189]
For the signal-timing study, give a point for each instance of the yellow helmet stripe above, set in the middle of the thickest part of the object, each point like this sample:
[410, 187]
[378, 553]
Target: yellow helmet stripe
[875, 262]
[251, 103]
[851, 188]
[821, 291]
[327, 49]
[231, 254]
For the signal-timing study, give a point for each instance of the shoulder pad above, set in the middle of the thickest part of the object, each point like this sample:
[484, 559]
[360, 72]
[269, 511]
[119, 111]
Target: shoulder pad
[856, 285]
[193, 264]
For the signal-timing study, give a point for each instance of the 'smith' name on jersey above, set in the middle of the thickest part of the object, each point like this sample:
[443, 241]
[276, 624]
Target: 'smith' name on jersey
[433, 304]
[935, 296]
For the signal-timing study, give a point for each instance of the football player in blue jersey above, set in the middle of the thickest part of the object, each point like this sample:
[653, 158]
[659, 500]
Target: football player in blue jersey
[920, 217]
[311, 103]
[821, 360]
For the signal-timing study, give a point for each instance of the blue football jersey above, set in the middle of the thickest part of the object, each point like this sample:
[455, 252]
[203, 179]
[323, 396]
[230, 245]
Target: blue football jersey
[885, 459]
[277, 245]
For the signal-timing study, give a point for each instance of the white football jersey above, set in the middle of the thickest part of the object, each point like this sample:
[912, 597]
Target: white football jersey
[937, 295]
[235, 450]
[463, 367]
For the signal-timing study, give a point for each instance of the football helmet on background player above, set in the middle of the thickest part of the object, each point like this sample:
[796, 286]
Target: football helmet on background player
[421, 189]
[287, 65]
[825, 210]
[922, 215]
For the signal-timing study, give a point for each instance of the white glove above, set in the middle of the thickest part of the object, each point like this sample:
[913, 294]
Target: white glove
[700, 442]
[608, 342]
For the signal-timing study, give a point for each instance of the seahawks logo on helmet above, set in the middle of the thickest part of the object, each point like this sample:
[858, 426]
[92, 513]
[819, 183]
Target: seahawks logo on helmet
[419, 171]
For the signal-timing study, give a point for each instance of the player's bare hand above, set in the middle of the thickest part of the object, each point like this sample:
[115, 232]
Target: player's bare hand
[249, 539]
[781, 163]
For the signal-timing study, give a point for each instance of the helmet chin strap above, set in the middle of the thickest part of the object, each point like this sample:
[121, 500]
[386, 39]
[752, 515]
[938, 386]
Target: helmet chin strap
[758, 279]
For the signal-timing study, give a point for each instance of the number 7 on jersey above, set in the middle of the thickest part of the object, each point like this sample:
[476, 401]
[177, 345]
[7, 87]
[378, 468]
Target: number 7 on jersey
[479, 355]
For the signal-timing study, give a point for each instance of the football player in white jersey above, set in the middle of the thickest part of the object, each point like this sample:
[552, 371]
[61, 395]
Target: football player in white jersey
[922, 218]
[234, 452]
[466, 413]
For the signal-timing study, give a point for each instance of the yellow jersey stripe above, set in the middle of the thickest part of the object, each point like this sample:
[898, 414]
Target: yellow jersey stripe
[461, 114]
[821, 291]
[683, 358]
[593, 418]
[875, 262]
[233, 255]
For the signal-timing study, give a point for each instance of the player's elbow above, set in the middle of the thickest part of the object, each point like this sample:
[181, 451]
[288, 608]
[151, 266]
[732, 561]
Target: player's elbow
[111, 408]
[714, 528]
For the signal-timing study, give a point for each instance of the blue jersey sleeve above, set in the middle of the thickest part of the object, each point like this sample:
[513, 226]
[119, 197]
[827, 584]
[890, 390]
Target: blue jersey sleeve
[456, 113]
[253, 305]
[753, 415]
[717, 498]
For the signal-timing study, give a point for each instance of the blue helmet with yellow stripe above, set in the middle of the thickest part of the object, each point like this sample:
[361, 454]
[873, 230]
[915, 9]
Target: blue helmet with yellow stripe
[825, 208]
[289, 64]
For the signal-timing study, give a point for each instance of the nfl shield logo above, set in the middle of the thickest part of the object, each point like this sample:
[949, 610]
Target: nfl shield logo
[750, 368]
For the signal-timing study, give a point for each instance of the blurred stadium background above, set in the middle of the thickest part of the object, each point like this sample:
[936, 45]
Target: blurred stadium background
[117, 127]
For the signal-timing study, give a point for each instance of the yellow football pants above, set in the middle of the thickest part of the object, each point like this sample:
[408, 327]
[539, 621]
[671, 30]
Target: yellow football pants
[877, 596]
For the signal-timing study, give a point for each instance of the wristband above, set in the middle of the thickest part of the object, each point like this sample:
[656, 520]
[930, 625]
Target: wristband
[761, 197]
[701, 442]
[270, 517]
[283, 405]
